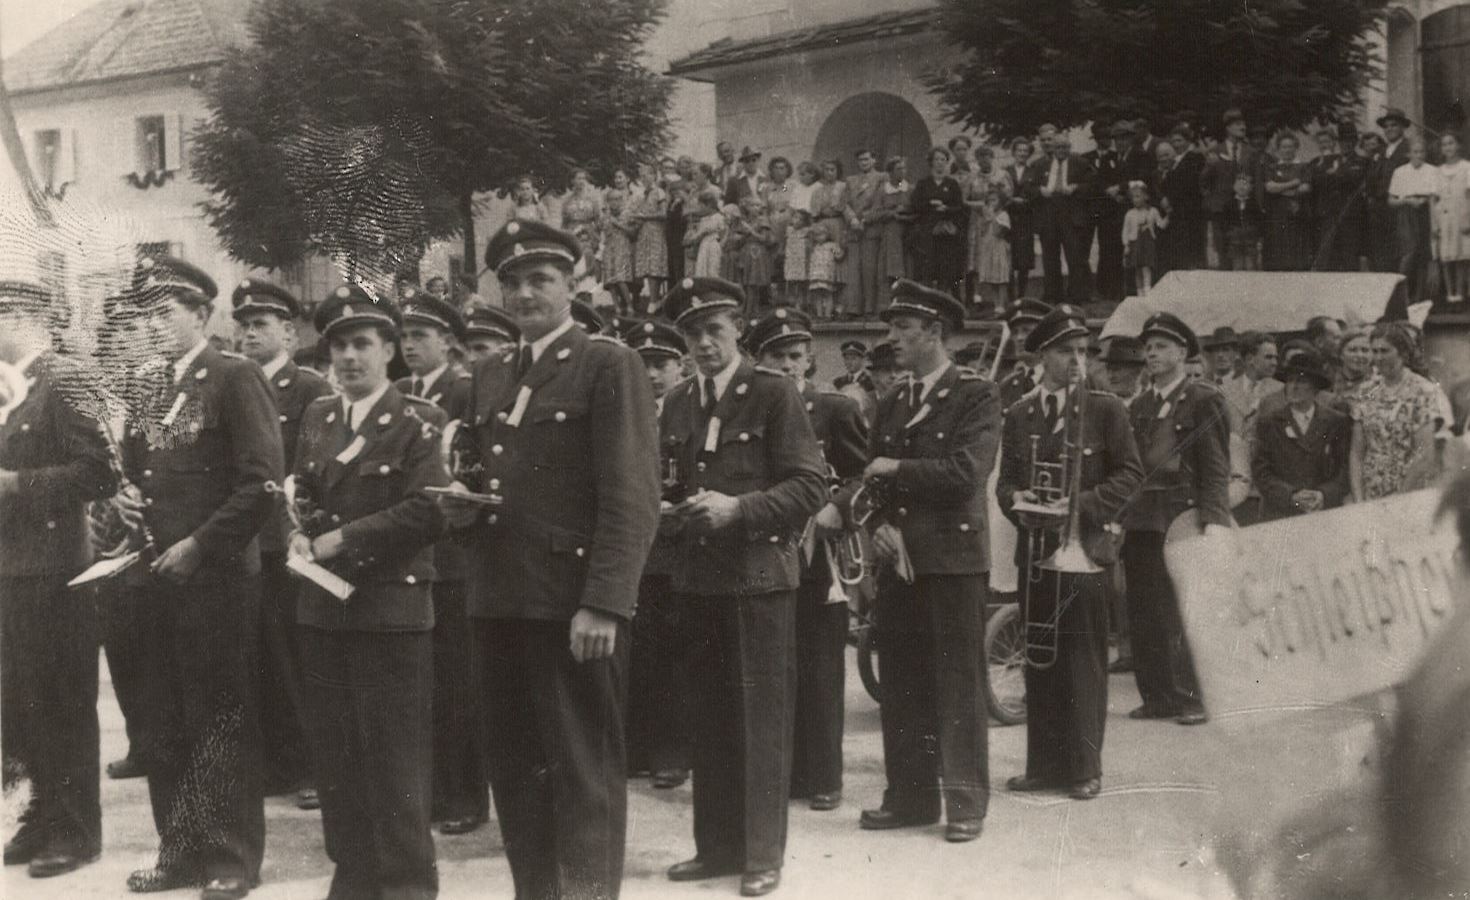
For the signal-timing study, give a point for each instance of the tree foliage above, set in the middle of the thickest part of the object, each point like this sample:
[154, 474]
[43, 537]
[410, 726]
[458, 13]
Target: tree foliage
[349, 125]
[1026, 62]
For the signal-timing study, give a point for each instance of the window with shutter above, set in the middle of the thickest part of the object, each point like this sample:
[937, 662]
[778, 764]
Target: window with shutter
[151, 144]
[46, 157]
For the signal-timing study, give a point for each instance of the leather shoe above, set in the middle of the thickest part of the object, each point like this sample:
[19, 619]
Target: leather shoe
[127, 767]
[58, 861]
[1022, 784]
[1086, 790]
[151, 881]
[697, 869]
[664, 779]
[885, 819]
[826, 802]
[225, 889]
[759, 884]
[27, 844]
[960, 832]
[1193, 717]
[1150, 712]
[307, 798]
[461, 826]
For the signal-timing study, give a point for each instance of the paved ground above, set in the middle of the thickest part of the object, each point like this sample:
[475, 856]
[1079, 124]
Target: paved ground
[1141, 838]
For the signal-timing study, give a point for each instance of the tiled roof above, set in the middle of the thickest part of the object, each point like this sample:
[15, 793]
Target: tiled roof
[127, 39]
[727, 52]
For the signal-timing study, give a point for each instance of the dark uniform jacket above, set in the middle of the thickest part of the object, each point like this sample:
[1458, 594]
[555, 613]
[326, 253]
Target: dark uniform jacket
[204, 472]
[862, 380]
[1184, 444]
[765, 454]
[451, 393]
[1016, 385]
[294, 389]
[1287, 461]
[1111, 470]
[62, 462]
[842, 435]
[579, 477]
[375, 495]
[946, 451]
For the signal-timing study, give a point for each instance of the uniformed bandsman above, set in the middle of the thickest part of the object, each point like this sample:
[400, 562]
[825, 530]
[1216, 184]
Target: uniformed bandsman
[363, 463]
[206, 445]
[882, 368]
[782, 341]
[461, 793]
[1025, 314]
[1183, 433]
[932, 450]
[566, 429]
[265, 320]
[855, 359]
[659, 709]
[744, 448]
[487, 330]
[53, 461]
[1066, 669]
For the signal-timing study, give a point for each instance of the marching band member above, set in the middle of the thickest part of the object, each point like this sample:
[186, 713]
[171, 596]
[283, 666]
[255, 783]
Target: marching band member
[265, 316]
[782, 341]
[567, 436]
[1183, 432]
[933, 446]
[488, 329]
[1025, 314]
[364, 460]
[753, 472]
[1066, 685]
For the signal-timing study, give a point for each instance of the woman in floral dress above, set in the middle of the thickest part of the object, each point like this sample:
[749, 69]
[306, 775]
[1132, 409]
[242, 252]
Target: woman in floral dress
[651, 250]
[581, 212]
[1394, 420]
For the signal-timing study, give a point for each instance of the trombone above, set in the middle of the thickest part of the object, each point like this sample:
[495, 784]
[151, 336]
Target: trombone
[1053, 483]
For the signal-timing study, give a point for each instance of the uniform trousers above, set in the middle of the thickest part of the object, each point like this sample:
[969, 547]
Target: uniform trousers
[935, 744]
[1163, 665]
[461, 789]
[203, 732]
[283, 743]
[743, 672]
[658, 682]
[48, 705]
[557, 758]
[368, 701]
[1067, 702]
[126, 613]
[821, 671]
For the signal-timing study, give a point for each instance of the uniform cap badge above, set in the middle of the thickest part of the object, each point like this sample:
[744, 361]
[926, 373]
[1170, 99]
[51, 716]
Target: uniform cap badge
[781, 313]
[648, 327]
[687, 283]
[344, 291]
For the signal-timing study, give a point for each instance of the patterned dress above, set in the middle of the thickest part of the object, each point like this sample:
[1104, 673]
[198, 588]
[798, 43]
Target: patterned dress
[651, 252]
[617, 248]
[1390, 416]
[823, 270]
[798, 251]
[581, 214]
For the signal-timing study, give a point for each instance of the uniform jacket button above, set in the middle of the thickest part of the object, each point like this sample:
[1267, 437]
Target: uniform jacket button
[148, 501]
[939, 435]
[410, 579]
[492, 518]
[51, 525]
[25, 426]
[581, 551]
[560, 416]
[701, 466]
[502, 416]
[903, 511]
[745, 437]
[336, 518]
[497, 449]
[703, 541]
[147, 473]
[964, 526]
[775, 539]
[283, 417]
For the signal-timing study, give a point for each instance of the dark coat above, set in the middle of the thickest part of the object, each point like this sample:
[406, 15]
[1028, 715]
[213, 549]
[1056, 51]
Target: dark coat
[842, 434]
[376, 497]
[1196, 472]
[1108, 171]
[1058, 211]
[1014, 386]
[61, 462]
[1111, 469]
[767, 455]
[579, 476]
[205, 474]
[294, 389]
[1286, 461]
[1217, 176]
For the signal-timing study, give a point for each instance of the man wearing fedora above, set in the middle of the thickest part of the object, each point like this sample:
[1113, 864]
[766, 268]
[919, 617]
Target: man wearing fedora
[1382, 232]
[1231, 158]
[748, 181]
[1300, 464]
[1107, 203]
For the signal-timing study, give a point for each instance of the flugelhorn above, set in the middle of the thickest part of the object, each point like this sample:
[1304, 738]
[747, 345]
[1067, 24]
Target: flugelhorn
[1070, 556]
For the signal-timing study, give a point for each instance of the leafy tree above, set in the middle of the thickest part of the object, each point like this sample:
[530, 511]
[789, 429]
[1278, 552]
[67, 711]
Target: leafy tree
[1068, 62]
[364, 128]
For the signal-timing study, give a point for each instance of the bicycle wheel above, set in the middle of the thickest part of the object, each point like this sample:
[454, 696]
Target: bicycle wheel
[1005, 657]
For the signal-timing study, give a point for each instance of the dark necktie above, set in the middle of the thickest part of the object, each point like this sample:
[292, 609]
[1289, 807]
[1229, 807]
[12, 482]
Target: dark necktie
[418, 386]
[916, 393]
[1052, 413]
[709, 396]
[523, 365]
[348, 417]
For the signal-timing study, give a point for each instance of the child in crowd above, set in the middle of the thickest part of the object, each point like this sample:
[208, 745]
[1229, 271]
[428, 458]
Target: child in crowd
[737, 231]
[824, 277]
[618, 231]
[1243, 224]
[703, 236]
[755, 253]
[1141, 226]
[992, 255]
[798, 251]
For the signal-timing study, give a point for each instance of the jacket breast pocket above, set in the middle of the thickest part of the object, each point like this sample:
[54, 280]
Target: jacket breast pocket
[196, 441]
[381, 482]
[742, 451]
[556, 433]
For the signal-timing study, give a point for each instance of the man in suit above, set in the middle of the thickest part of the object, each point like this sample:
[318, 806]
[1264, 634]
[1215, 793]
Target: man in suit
[727, 169]
[865, 237]
[265, 316]
[659, 708]
[1060, 186]
[1300, 464]
[1232, 158]
[487, 330]
[782, 341]
[207, 443]
[567, 437]
[753, 474]
[461, 793]
[1067, 656]
[749, 181]
[931, 452]
[1137, 161]
[1026, 314]
[1382, 233]
[360, 511]
[1177, 187]
[53, 461]
[1182, 429]
[1106, 205]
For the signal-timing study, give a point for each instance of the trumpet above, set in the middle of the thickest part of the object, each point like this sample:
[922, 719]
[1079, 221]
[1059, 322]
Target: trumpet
[845, 553]
[1053, 483]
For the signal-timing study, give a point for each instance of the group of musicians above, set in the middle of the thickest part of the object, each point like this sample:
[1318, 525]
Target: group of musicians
[423, 630]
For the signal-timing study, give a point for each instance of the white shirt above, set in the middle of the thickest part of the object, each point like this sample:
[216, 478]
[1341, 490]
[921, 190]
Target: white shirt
[1164, 390]
[356, 411]
[721, 379]
[1058, 175]
[1408, 181]
[428, 379]
[926, 384]
[1061, 396]
[539, 345]
[1303, 420]
[181, 365]
[1389, 149]
[275, 365]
